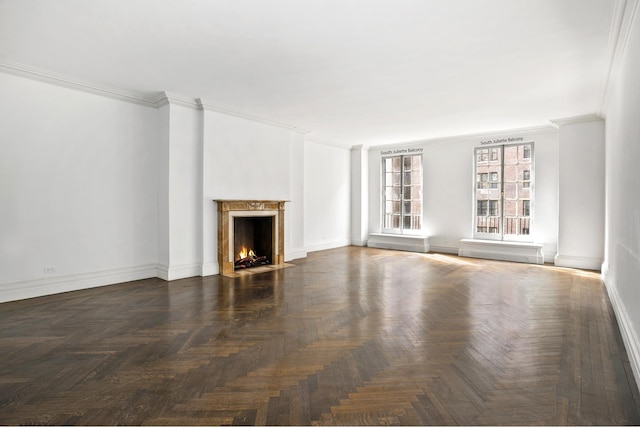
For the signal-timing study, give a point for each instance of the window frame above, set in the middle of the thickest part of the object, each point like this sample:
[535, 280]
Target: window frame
[401, 229]
[491, 222]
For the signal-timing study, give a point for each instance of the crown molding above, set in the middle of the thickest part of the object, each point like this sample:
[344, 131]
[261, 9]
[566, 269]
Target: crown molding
[624, 16]
[69, 82]
[155, 101]
[230, 111]
[325, 141]
[575, 120]
[168, 98]
[465, 137]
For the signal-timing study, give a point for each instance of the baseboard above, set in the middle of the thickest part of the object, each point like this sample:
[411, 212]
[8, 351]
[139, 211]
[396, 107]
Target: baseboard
[295, 254]
[73, 282]
[209, 269]
[629, 335]
[585, 263]
[549, 256]
[176, 272]
[399, 242]
[329, 245]
[444, 249]
[502, 251]
[358, 242]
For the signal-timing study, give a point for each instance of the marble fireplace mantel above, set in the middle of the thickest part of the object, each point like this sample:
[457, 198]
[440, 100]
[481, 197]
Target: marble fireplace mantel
[229, 209]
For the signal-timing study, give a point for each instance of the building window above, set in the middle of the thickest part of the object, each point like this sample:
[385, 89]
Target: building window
[402, 194]
[483, 207]
[482, 179]
[503, 193]
[482, 155]
[493, 177]
[493, 207]
[526, 178]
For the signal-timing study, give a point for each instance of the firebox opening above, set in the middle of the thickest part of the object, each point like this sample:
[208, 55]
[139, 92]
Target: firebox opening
[252, 241]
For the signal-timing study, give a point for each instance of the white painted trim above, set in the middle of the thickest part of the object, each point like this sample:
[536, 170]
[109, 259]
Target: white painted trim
[328, 245]
[74, 282]
[69, 82]
[399, 242]
[154, 101]
[165, 98]
[549, 255]
[295, 254]
[183, 271]
[444, 249]
[329, 142]
[230, 111]
[358, 242]
[162, 272]
[209, 269]
[466, 137]
[360, 147]
[627, 331]
[501, 250]
[581, 262]
[625, 13]
[576, 120]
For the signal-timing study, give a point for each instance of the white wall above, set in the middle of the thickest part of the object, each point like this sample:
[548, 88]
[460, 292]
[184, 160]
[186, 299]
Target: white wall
[77, 189]
[162, 185]
[183, 187]
[581, 193]
[359, 195]
[104, 191]
[294, 245]
[244, 159]
[449, 183]
[327, 196]
[621, 268]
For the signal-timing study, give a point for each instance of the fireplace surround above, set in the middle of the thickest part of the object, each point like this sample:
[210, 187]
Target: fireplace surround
[229, 210]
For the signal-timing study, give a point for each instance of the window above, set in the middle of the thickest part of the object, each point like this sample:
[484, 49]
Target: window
[526, 177]
[493, 207]
[482, 179]
[402, 196]
[503, 193]
[482, 154]
[482, 207]
[494, 180]
[487, 180]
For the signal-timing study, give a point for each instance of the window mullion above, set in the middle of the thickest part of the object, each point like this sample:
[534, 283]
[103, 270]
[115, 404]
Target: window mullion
[502, 192]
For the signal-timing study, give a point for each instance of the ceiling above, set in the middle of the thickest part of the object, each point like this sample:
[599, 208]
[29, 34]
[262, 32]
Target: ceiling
[347, 71]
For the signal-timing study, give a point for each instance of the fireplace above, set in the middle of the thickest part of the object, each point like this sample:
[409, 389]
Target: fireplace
[245, 225]
[252, 241]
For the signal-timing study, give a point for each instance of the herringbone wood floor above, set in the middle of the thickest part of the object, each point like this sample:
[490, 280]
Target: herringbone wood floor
[346, 336]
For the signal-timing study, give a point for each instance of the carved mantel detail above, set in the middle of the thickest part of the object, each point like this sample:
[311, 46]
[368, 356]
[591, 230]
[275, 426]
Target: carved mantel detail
[229, 209]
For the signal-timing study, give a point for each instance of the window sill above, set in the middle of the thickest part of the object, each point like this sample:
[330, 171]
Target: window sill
[399, 242]
[500, 250]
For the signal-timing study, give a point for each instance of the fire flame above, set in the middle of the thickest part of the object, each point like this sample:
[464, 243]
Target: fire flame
[244, 253]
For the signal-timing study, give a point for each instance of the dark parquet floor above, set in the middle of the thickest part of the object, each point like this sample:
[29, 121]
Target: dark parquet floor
[346, 336]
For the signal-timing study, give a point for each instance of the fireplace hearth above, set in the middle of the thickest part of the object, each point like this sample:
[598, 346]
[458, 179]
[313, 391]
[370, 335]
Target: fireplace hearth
[250, 234]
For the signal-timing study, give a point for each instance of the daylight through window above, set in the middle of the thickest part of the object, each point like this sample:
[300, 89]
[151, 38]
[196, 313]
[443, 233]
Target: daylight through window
[503, 193]
[402, 193]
